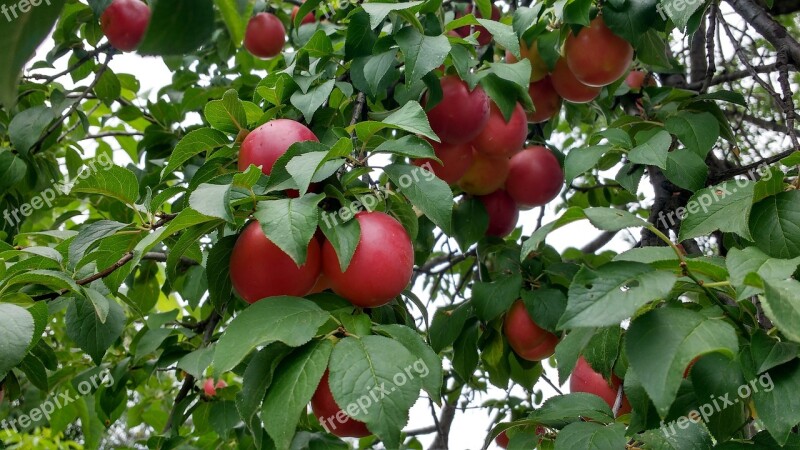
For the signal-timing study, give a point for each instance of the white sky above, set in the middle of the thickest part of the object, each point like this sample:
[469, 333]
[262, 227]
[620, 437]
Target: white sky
[470, 427]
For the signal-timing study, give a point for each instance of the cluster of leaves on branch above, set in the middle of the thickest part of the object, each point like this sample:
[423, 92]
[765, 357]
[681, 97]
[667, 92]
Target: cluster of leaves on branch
[130, 269]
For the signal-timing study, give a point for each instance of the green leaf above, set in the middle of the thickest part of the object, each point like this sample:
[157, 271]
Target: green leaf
[88, 236]
[178, 27]
[428, 362]
[422, 53]
[472, 220]
[661, 343]
[371, 364]
[311, 101]
[12, 169]
[768, 352]
[218, 272]
[378, 72]
[55, 280]
[412, 118]
[591, 436]
[16, 333]
[235, 14]
[490, 300]
[776, 401]
[257, 378]
[213, 200]
[782, 305]
[290, 223]
[27, 127]
[654, 151]
[114, 181]
[19, 40]
[447, 325]
[291, 320]
[227, 114]
[775, 225]
[572, 214]
[741, 263]
[680, 11]
[91, 334]
[613, 219]
[378, 11]
[303, 168]
[651, 48]
[630, 19]
[561, 410]
[295, 382]
[410, 146]
[194, 363]
[691, 435]
[723, 207]
[343, 236]
[546, 306]
[108, 88]
[612, 293]
[465, 351]
[502, 34]
[581, 160]
[360, 39]
[194, 143]
[716, 376]
[428, 193]
[686, 170]
[697, 131]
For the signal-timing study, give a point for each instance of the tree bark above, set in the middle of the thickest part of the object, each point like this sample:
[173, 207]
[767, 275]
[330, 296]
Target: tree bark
[768, 27]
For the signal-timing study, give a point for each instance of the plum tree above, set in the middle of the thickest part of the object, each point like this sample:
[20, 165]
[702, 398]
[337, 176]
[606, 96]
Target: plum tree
[534, 177]
[525, 337]
[586, 379]
[539, 68]
[501, 137]
[569, 87]
[138, 237]
[461, 114]
[597, 56]
[124, 23]
[260, 269]
[546, 101]
[331, 416]
[264, 145]
[486, 174]
[381, 266]
[503, 213]
[484, 38]
[265, 35]
[455, 159]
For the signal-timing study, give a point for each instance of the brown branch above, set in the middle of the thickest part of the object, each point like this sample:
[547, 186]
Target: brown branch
[768, 27]
[125, 259]
[443, 432]
[599, 242]
[110, 134]
[735, 76]
[85, 58]
[57, 124]
[188, 382]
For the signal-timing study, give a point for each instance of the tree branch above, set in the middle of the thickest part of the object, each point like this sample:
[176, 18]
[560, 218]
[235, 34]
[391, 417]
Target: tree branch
[599, 242]
[445, 422]
[768, 27]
